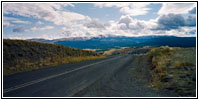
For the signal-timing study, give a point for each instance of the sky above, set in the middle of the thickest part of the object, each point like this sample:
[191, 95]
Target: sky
[68, 20]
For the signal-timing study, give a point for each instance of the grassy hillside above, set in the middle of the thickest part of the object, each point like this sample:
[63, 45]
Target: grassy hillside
[174, 69]
[21, 55]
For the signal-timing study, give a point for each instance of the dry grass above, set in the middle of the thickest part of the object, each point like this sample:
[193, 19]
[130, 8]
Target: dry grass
[21, 55]
[27, 65]
[174, 69]
[110, 52]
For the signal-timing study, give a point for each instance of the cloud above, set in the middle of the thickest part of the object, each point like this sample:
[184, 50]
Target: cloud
[132, 9]
[128, 26]
[96, 23]
[41, 28]
[6, 24]
[134, 24]
[8, 20]
[136, 9]
[39, 23]
[174, 21]
[46, 27]
[171, 21]
[52, 12]
[191, 20]
[193, 11]
[176, 8]
[78, 25]
[18, 29]
[123, 26]
[77, 30]
[67, 18]
[189, 30]
[118, 5]
[126, 20]
[137, 25]
[21, 22]
[171, 24]
[38, 10]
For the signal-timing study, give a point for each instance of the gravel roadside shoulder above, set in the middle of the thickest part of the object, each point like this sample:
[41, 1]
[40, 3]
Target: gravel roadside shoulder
[128, 81]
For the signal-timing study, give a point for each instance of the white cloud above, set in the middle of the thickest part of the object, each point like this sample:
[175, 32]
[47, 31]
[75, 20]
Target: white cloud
[47, 27]
[95, 23]
[21, 22]
[52, 12]
[77, 25]
[180, 32]
[77, 30]
[135, 24]
[6, 24]
[41, 28]
[136, 9]
[126, 26]
[118, 5]
[132, 9]
[176, 8]
[123, 26]
[39, 23]
[10, 20]
[67, 18]
[126, 20]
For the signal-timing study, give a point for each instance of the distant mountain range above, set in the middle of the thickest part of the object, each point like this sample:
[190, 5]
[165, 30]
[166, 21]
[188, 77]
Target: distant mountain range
[111, 42]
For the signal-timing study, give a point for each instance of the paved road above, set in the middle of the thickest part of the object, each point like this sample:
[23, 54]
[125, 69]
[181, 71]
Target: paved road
[104, 77]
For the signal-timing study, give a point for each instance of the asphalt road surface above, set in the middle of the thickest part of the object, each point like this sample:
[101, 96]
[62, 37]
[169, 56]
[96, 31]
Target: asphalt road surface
[107, 77]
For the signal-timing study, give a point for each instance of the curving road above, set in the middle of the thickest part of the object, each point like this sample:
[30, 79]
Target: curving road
[102, 77]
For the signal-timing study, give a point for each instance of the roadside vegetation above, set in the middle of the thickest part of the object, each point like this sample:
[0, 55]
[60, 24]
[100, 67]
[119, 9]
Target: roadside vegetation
[22, 55]
[174, 69]
[127, 50]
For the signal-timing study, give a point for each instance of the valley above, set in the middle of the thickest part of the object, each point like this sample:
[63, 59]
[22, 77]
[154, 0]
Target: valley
[139, 71]
[99, 49]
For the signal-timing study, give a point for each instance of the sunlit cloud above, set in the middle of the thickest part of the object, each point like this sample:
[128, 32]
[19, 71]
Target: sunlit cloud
[56, 20]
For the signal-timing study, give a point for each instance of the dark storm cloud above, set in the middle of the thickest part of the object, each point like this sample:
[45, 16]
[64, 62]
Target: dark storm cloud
[191, 20]
[171, 21]
[174, 21]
